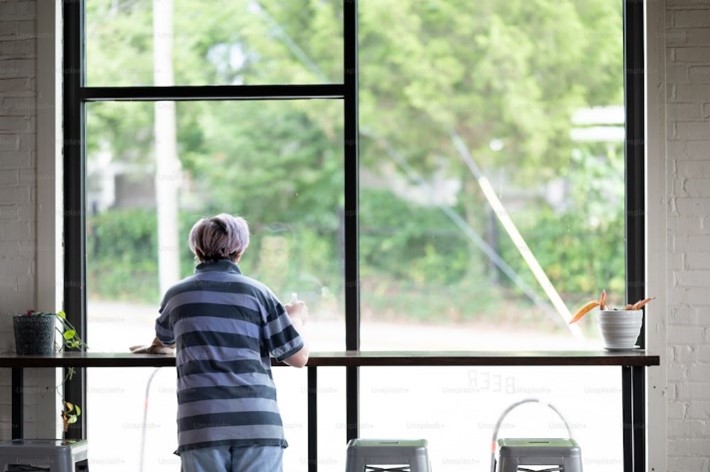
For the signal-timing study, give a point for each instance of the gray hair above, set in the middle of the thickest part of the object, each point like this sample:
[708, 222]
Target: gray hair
[220, 237]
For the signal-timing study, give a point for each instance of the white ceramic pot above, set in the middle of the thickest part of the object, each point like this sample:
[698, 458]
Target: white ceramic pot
[620, 328]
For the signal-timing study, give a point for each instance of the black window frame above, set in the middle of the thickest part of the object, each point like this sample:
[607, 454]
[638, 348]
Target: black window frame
[76, 95]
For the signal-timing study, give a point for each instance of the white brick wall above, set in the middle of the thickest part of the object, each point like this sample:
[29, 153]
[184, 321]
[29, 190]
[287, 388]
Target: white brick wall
[17, 176]
[20, 40]
[687, 85]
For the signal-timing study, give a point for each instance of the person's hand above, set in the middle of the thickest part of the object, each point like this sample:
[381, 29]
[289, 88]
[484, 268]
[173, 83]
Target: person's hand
[297, 311]
[156, 347]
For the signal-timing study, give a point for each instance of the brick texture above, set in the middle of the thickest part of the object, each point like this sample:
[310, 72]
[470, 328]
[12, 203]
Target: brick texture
[17, 182]
[687, 44]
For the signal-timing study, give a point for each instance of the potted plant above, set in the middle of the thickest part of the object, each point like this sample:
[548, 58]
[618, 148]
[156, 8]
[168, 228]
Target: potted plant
[619, 326]
[36, 334]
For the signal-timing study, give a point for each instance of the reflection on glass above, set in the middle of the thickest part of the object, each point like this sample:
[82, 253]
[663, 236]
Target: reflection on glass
[456, 409]
[492, 177]
[278, 164]
[214, 42]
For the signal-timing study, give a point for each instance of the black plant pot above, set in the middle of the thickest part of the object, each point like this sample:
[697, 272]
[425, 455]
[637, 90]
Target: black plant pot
[34, 334]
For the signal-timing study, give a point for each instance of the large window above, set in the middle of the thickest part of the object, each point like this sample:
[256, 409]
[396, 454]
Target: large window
[439, 175]
[492, 171]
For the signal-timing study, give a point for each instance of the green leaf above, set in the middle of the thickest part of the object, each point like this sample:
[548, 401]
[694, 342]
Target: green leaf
[69, 334]
[62, 315]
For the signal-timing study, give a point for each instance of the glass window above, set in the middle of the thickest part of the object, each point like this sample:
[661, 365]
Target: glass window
[492, 172]
[490, 206]
[266, 161]
[146, 187]
[456, 410]
[227, 42]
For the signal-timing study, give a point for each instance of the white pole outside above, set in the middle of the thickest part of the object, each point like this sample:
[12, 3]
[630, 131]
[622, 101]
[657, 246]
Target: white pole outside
[168, 175]
[515, 236]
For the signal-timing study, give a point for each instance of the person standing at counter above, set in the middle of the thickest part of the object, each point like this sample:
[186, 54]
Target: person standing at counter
[225, 328]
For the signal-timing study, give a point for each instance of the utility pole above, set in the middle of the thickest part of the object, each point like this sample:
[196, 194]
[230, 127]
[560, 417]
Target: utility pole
[168, 172]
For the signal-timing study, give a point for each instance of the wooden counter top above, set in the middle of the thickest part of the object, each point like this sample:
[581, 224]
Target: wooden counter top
[361, 358]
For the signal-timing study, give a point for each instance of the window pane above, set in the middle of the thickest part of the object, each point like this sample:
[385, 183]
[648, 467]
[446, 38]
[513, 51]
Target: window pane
[492, 177]
[331, 418]
[131, 415]
[456, 409]
[267, 161]
[232, 42]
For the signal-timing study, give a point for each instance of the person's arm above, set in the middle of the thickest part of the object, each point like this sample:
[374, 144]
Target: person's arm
[298, 312]
[164, 341]
[156, 347]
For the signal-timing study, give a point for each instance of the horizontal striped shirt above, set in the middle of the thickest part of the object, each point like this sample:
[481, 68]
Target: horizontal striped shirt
[226, 327]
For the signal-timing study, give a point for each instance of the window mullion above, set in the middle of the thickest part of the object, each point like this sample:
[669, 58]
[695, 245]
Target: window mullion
[74, 208]
[350, 215]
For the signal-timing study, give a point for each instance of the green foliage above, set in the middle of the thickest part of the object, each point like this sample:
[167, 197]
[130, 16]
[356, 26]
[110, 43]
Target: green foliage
[409, 242]
[70, 338]
[388, 298]
[269, 161]
[581, 246]
[122, 255]
[505, 72]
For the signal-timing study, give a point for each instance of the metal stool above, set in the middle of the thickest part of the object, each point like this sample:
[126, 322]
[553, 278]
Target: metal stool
[556, 454]
[559, 455]
[370, 455]
[51, 455]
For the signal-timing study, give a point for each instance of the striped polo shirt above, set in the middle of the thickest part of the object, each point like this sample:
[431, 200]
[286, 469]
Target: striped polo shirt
[226, 327]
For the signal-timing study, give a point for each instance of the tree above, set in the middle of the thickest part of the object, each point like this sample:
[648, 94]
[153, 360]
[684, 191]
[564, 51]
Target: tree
[504, 76]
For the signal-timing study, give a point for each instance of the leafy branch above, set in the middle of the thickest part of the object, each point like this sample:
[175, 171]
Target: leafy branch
[70, 412]
[71, 339]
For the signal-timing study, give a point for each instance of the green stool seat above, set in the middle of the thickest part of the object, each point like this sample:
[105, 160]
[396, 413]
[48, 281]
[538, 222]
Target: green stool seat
[517, 454]
[373, 455]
